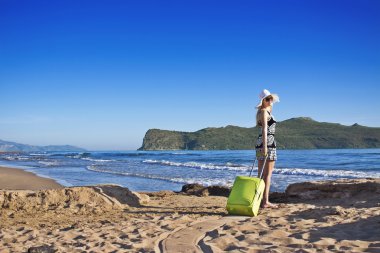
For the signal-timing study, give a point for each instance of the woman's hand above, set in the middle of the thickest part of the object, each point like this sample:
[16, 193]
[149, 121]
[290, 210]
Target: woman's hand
[264, 150]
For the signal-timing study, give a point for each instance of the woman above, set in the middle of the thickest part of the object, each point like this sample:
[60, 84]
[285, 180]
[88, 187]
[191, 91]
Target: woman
[266, 144]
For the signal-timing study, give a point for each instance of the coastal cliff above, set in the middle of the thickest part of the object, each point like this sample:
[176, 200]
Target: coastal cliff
[294, 133]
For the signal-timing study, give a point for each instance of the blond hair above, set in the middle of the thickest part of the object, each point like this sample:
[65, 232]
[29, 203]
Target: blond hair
[258, 114]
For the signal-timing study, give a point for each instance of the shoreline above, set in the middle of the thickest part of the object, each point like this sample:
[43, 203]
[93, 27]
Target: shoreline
[58, 168]
[19, 179]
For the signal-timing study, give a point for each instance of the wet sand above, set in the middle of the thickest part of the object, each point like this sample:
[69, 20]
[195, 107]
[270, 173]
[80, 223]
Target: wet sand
[18, 179]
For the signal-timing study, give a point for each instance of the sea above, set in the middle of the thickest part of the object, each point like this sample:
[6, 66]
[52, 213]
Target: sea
[170, 170]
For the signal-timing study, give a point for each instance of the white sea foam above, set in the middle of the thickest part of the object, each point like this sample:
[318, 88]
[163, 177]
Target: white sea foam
[206, 166]
[9, 158]
[38, 154]
[325, 173]
[229, 181]
[284, 171]
[77, 155]
[203, 181]
[49, 163]
[96, 160]
[16, 158]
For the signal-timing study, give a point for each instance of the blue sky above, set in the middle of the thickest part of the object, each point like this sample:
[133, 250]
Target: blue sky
[99, 74]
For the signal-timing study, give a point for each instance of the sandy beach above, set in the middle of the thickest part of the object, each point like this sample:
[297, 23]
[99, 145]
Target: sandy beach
[18, 179]
[323, 216]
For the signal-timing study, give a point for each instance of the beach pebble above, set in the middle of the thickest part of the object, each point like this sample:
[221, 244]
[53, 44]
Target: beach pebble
[42, 249]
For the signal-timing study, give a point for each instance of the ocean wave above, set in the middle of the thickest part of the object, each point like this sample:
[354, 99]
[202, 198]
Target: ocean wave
[338, 173]
[229, 181]
[197, 165]
[325, 173]
[150, 154]
[185, 153]
[203, 181]
[82, 155]
[70, 154]
[38, 154]
[9, 158]
[66, 154]
[16, 158]
[49, 163]
[96, 160]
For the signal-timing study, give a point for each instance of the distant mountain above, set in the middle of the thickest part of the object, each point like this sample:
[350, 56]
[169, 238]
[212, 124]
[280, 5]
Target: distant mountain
[294, 133]
[7, 146]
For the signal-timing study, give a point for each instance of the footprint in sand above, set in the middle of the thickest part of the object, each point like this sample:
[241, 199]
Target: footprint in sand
[190, 238]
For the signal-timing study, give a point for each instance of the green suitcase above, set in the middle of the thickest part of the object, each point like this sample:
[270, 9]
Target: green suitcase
[246, 195]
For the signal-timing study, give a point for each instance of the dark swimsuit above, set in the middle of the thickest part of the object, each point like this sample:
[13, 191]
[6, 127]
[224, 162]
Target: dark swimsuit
[271, 142]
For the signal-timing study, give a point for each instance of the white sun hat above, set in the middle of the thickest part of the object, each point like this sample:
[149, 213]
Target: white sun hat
[266, 93]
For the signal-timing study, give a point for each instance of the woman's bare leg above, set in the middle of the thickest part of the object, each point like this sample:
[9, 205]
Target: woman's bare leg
[259, 166]
[267, 176]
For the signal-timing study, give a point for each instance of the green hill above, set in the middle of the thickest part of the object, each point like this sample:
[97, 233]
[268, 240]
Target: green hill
[295, 133]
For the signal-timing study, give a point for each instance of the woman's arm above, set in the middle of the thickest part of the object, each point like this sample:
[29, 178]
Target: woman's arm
[264, 124]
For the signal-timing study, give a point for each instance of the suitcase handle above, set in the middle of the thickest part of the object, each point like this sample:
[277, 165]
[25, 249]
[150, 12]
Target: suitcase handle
[262, 170]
